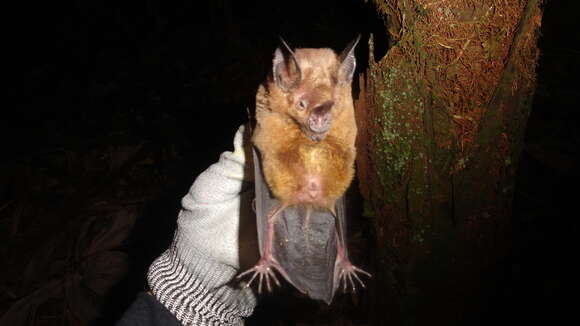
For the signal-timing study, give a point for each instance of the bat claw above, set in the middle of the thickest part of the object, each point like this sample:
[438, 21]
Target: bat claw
[348, 275]
[263, 271]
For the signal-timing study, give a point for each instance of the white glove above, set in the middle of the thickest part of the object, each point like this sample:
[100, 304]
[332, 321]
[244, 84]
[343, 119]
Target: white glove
[193, 278]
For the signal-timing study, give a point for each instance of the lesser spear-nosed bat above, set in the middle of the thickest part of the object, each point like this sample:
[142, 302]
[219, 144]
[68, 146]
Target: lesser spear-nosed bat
[305, 139]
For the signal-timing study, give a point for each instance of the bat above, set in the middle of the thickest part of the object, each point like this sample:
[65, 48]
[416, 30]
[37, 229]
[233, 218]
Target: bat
[304, 152]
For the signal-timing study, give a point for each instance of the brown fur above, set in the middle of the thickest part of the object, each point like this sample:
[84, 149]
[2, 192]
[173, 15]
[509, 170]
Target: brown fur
[293, 164]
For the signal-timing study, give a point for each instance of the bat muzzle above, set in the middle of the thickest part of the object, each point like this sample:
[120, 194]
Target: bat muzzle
[319, 121]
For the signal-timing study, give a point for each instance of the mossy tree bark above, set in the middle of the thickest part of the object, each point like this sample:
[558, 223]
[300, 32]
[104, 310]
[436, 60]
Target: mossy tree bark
[441, 124]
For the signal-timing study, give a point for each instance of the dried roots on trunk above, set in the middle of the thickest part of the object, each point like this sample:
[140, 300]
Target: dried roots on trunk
[442, 118]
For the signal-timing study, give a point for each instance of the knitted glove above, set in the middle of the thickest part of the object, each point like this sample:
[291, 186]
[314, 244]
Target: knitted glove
[193, 278]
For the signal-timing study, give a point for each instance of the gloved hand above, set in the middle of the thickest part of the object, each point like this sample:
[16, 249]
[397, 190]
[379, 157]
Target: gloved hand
[215, 238]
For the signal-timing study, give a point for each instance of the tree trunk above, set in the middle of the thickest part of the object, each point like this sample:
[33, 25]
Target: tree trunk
[441, 124]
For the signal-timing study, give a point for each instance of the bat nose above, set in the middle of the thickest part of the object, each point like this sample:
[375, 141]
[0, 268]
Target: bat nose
[321, 117]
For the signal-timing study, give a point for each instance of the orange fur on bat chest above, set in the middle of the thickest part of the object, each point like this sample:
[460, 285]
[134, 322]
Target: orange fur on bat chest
[309, 173]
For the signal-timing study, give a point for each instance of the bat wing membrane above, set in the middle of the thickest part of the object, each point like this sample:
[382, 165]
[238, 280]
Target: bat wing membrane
[306, 252]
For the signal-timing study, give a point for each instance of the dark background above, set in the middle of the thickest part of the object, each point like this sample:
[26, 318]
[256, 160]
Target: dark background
[113, 109]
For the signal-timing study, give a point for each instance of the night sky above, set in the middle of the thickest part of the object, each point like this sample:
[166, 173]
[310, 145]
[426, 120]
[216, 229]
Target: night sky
[168, 83]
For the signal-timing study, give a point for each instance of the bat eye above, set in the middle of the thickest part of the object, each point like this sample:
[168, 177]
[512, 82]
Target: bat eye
[302, 105]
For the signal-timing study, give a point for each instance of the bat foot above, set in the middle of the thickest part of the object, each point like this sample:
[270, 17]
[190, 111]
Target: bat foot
[262, 272]
[347, 274]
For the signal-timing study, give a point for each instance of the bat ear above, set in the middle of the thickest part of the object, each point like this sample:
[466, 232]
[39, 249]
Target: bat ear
[347, 62]
[285, 68]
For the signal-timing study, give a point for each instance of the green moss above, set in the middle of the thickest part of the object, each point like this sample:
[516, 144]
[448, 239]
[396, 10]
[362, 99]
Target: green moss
[399, 140]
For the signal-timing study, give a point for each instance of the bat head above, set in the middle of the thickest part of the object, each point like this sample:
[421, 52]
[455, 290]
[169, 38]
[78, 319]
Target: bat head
[313, 82]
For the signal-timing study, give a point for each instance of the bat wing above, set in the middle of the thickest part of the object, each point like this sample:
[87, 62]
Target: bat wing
[306, 252]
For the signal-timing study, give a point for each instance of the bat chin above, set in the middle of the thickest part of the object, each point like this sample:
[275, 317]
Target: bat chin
[316, 136]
